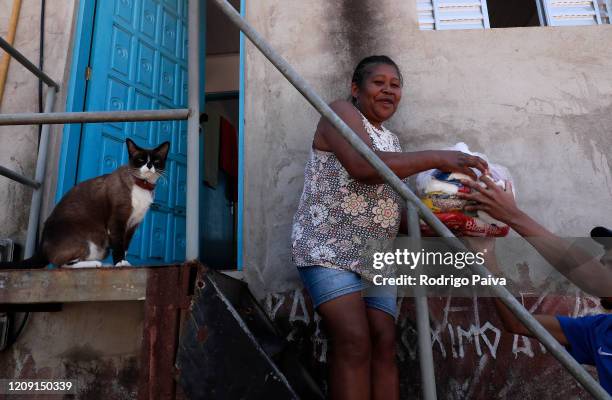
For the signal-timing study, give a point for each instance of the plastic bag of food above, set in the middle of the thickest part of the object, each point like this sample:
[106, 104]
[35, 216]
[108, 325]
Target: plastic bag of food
[438, 191]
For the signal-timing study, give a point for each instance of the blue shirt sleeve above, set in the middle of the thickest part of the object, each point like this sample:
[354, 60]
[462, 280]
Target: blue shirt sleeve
[578, 333]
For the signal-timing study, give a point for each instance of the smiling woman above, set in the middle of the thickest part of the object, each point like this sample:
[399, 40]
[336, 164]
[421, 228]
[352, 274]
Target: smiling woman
[380, 104]
[344, 205]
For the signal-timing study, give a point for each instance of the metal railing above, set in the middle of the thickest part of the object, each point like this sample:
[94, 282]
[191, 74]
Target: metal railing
[415, 207]
[41, 161]
[49, 117]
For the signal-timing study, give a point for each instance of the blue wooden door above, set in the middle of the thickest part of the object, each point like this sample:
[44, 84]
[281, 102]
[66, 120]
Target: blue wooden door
[139, 61]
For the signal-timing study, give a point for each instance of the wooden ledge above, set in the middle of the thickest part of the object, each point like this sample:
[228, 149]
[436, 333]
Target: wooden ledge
[63, 285]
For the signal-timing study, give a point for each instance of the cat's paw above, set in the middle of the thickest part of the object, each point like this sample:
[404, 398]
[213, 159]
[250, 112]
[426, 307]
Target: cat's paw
[83, 264]
[123, 263]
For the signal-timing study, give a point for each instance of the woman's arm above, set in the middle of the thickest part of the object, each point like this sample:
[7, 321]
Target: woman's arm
[404, 164]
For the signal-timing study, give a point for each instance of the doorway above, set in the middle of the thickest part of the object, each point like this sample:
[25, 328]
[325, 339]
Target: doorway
[221, 209]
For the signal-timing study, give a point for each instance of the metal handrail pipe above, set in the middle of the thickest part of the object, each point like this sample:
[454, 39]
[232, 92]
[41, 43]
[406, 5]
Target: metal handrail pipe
[558, 351]
[39, 176]
[6, 46]
[94, 117]
[19, 178]
[428, 375]
[192, 226]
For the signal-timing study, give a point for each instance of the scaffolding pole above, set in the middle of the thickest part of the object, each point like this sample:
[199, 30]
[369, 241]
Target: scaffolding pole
[428, 375]
[94, 116]
[27, 63]
[19, 178]
[193, 134]
[39, 176]
[581, 375]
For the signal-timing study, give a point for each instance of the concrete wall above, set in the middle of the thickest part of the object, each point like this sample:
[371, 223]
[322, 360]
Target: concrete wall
[19, 144]
[537, 100]
[98, 345]
[474, 357]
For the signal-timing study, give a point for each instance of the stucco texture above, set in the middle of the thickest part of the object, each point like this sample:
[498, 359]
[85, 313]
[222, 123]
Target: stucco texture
[96, 345]
[19, 144]
[537, 100]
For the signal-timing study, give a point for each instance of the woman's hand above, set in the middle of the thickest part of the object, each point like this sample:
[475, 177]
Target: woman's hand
[457, 161]
[492, 199]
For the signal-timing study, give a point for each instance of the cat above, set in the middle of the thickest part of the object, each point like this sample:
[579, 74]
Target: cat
[101, 213]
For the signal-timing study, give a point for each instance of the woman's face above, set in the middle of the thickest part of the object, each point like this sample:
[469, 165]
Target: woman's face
[380, 94]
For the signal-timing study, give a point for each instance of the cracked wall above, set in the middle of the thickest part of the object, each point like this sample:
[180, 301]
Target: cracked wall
[19, 144]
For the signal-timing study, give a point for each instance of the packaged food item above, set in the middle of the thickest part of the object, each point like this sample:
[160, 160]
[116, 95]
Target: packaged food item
[442, 202]
[462, 224]
[438, 191]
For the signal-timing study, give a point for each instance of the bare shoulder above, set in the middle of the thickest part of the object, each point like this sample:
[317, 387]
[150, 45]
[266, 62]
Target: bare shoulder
[327, 138]
[344, 108]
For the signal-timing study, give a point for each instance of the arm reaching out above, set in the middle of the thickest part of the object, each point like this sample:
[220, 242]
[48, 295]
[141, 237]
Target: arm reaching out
[574, 263]
[507, 317]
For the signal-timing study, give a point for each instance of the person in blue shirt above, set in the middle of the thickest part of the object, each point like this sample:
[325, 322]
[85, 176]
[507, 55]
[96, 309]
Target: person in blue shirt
[588, 339]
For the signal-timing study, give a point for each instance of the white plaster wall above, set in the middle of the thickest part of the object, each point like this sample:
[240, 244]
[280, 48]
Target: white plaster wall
[538, 100]
[19, 144]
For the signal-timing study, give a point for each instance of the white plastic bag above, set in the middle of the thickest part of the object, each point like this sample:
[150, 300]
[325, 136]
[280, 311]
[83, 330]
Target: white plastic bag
[434, 181]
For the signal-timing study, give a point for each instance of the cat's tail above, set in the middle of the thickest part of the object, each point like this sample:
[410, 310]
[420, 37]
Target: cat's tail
[38, 260]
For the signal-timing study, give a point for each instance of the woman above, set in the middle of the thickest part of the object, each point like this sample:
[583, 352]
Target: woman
[343, 205]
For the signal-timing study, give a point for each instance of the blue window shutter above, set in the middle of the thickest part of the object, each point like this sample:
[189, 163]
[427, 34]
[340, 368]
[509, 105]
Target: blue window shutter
[572, 12]
[604, 10]
[425, 14]
[460, 14]
[541, 15]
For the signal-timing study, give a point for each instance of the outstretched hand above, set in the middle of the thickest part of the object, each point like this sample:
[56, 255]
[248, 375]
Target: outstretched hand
[492, 199]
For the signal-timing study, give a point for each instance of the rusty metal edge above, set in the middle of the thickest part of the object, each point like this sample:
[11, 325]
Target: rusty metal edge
[168, 294]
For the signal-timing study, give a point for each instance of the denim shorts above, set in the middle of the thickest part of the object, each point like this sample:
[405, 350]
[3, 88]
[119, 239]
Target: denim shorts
[325, 284]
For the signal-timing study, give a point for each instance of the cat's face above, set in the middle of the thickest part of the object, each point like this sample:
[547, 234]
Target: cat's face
[148, 164]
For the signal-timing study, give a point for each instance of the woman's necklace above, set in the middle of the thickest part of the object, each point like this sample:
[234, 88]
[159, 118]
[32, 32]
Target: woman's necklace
[381, 138]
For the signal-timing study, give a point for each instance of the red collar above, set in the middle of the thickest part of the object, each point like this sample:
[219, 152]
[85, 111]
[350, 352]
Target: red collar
[146, 185]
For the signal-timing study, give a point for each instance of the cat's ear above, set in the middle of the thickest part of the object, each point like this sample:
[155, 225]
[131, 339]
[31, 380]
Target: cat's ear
[132, 147]
[162, 149]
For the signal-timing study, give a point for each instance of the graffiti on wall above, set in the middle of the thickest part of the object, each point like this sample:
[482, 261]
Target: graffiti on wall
[459, 328]
[470, 346]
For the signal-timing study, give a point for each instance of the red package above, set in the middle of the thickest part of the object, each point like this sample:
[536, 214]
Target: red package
[464, 225]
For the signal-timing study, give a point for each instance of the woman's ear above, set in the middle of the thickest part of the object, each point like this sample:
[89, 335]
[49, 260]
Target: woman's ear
[354, 90]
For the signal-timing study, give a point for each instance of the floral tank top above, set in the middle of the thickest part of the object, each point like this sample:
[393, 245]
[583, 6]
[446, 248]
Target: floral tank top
[338, 215]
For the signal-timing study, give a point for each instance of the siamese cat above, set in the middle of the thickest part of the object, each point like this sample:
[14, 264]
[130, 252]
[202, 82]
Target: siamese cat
[101, 213]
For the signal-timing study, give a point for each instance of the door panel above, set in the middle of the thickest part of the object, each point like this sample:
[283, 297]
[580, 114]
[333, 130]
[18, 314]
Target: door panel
[139, 61]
